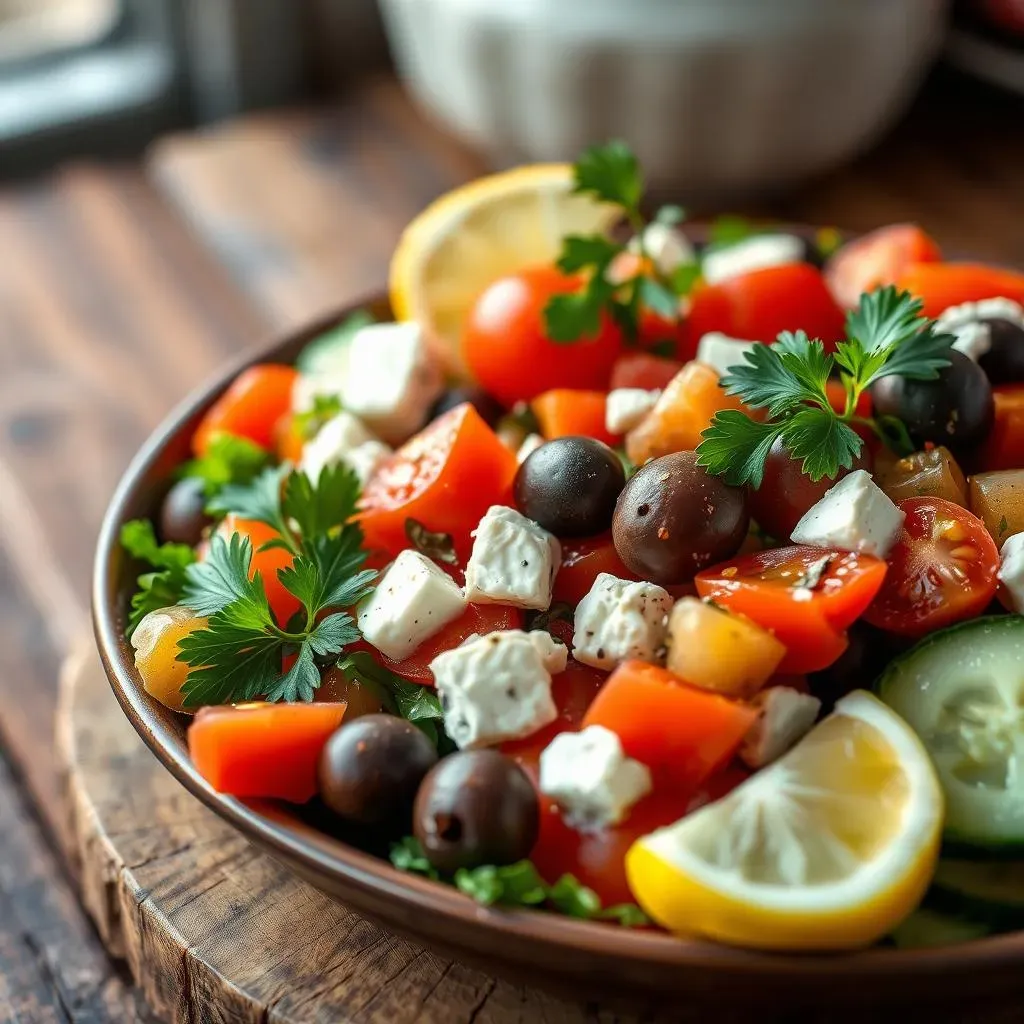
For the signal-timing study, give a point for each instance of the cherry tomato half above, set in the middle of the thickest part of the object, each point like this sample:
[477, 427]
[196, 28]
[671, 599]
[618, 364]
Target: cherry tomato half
[758, 305]
[643, 370]
[252, 407]
[877, 258]
[943, 569]
[582, 560]
[806, 596]
[941, 285]
[505, 346]
[446, 478]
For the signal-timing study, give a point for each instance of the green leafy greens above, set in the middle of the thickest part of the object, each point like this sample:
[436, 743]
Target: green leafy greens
[238, 655]
[161, 588]
[228, 460]
[886, 336]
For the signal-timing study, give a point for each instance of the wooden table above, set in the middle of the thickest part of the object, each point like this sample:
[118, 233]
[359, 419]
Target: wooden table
[122, 287]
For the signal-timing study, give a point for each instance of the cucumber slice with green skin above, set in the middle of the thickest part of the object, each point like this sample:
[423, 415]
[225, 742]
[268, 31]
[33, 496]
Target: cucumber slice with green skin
[328, 354]
[989, 891]
[962, 692]
[926, 928]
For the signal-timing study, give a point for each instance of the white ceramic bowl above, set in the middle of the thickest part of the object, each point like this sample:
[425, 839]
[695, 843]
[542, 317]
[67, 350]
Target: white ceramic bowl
[719, 98]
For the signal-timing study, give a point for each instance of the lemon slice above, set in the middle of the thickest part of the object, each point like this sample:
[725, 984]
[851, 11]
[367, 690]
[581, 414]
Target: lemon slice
[828, 848]
[475, 234]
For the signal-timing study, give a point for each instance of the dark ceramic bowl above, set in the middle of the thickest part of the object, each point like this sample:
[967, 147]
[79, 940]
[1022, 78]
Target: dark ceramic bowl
[646, 968]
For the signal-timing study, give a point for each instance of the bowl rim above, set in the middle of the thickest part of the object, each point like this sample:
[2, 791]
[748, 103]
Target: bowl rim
[377, 877]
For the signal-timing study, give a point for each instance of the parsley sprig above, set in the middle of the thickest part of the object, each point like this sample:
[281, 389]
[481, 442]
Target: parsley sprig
[239, 655]
[611, 174]
[162, 587]
[228, 460]
[886, 336]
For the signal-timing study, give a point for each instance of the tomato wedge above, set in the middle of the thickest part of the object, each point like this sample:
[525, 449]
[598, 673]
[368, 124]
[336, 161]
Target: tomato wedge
[643, 370]
[564, 413]
[263, 750]
[582, 561]
[806, 596]
[446, 478]
[944, 568]
[941, 285]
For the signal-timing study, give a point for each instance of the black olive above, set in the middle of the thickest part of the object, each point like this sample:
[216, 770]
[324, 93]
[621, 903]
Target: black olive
[955, 409]
[1004, 361]
[476, 807]
[487, 405]
[674, 519]
[183, 514]
[570, 485]
[371, 768]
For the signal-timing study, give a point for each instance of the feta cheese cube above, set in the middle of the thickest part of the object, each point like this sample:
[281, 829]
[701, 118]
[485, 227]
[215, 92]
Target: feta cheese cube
[754, 253]
[722, 352]
[530, 444]
[343, 439]
[392, 380]
[618, 620]
[413, 600]
[1011, 569]
[589, 776]
[498, 687]
[986, 309]
[786, 716]
[514, 561]
[626, 407]
[854, 515]
[973, 339]
[666, 245]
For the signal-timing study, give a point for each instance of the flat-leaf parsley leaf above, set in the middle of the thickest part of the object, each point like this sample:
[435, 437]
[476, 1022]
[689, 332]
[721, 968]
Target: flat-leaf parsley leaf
[164, 587]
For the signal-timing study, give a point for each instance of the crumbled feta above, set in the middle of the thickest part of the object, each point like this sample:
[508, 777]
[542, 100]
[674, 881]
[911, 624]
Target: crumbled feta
[666, 245]
[754, 253]
[987, 309]
[854, 515]
[786, 716]
[618, 620]
[530, 444]
[344, 438]
[392, 380]
[413, 600]
[498, 687]
[1011, 569]
[514, 561]
[722, 352]
[973, 339]
[589, 776]
[626, 407]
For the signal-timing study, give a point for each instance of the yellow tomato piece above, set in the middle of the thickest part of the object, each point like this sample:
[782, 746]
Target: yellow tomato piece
[156, 647]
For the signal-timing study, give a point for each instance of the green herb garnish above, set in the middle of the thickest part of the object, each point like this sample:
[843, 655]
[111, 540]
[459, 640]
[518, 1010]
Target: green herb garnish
[228, 460]
[238, 656]
[886, 336]
[324, 408]
[611, 174]
[159, 589]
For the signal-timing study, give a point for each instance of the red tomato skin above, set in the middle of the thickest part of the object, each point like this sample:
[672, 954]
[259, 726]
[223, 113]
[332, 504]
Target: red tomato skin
[643, 370]
[919, 596]
[658, 332]
[877, 258]
[565, 412]
[263, 750]
[941, 285]
[252, 407]
[506, 348]
[446, 477]
[759, 305]
[582, 561]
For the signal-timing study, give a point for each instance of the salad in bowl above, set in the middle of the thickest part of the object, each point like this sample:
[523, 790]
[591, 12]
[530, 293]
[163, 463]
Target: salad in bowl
[663, 576]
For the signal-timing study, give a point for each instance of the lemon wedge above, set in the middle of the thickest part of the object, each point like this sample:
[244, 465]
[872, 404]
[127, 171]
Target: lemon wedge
[828, 848]
[477, 233]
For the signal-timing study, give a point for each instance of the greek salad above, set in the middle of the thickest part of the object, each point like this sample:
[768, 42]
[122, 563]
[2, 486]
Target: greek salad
[655, 576]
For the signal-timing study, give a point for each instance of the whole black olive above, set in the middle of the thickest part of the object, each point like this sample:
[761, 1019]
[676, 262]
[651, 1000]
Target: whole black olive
[476, 807]
[371, 768]
[488, 406]
[183, 514]
[1004, 361]
[570, 485]
[674, 519]
[955, 409]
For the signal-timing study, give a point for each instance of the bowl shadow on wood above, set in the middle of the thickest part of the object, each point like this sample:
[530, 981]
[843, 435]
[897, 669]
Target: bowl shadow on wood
[644, 969]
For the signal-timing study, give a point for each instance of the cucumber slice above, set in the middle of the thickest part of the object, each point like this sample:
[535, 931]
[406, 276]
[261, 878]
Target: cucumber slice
[990, 891]
[328, 354]
[962, 692]
[926, 928]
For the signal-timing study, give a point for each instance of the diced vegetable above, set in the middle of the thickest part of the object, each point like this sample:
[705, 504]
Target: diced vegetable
[565, 413]
[263, 750]
[156, 648]
[941, 285]
[718, 651]
[933, 473]
[638, 702]
[583, 560]
[998, 500]
[685, 408]
[252, 407]
[1004, 446]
